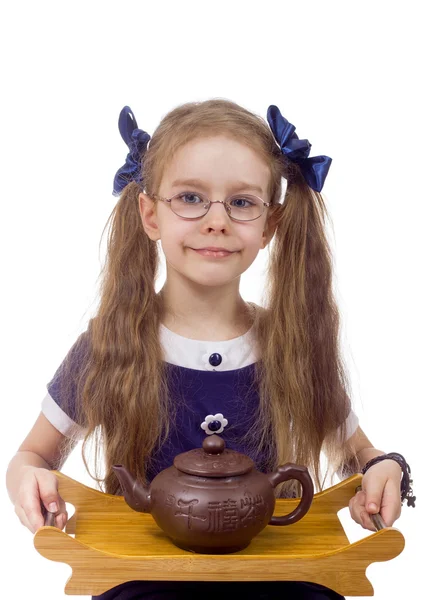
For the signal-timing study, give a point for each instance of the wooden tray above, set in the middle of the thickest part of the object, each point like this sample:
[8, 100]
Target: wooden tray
[107, 543]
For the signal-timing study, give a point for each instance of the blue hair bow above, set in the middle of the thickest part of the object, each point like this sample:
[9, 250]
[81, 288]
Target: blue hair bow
[314, 169]
[136, 140]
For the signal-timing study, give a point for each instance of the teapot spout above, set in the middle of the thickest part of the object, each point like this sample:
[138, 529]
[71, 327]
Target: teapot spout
[136, 495]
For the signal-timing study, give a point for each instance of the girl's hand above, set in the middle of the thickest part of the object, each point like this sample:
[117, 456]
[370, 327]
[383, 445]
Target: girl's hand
[39, 486]
[380, 494]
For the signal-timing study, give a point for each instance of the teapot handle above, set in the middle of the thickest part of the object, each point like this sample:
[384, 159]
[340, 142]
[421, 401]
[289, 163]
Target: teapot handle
[291, 471]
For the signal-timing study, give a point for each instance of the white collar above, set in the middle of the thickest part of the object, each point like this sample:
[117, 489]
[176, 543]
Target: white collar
[195, 354]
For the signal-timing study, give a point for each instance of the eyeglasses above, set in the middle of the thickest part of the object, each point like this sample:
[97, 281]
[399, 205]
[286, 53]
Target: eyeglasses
[239, 207]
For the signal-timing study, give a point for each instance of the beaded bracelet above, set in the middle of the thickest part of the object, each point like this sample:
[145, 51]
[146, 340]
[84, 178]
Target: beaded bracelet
[406, 482]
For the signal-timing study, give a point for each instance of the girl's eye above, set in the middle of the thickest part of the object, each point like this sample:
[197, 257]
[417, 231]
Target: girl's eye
[241, 202]
[189, 198]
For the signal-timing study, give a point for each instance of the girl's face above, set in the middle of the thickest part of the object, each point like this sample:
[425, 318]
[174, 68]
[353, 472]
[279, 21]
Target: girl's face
[222, 166]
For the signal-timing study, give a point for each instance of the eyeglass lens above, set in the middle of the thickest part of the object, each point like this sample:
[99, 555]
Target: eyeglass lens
[242, 207]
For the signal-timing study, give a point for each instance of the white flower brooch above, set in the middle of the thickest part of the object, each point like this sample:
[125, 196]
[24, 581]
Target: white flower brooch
[214, 424]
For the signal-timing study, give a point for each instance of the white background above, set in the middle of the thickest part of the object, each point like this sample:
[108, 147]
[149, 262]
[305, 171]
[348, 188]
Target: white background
[351, 76]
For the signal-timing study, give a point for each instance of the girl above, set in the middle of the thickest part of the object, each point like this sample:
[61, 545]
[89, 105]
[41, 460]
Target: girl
[143, 383]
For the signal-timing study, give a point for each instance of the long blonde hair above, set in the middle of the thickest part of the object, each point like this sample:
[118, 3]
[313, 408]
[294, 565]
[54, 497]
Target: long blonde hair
[303, 387]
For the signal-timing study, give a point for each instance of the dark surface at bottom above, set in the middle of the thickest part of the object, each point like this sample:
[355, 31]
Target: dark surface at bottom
[205, 550]
[220, 590]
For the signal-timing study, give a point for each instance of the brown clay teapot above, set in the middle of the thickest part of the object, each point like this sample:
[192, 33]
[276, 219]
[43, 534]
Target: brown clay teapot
[213, 500]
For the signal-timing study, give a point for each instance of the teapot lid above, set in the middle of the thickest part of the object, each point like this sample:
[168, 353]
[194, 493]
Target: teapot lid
[213, 460]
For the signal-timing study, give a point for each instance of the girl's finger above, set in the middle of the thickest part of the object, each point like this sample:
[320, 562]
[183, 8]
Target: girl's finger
[366, 521]
[357, 503]
[358, 512]
[360, 498]
[354, 511]
[33, 511]
[61, 520]
[47, 485]
[22, 516]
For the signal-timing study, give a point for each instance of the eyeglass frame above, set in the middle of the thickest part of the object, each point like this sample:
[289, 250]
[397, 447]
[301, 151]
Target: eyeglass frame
[224, 202]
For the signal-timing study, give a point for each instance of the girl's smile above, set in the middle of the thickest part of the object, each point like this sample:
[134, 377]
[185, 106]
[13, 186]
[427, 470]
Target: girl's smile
[213, 253]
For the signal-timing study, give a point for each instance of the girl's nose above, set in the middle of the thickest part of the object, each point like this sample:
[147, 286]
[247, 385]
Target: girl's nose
[217, 209]
[216, 218]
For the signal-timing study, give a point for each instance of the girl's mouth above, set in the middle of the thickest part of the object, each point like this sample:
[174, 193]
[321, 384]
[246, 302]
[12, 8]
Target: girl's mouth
[214, 254]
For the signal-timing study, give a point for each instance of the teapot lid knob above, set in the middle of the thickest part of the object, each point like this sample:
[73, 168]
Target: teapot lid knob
[213, 444]
[213, 459]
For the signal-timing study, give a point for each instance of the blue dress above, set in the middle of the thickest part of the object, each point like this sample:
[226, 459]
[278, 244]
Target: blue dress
[208, 377]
